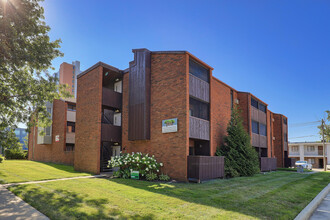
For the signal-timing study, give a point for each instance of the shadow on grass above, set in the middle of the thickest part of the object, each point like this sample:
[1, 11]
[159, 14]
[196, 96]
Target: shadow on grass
[274, 196]
[62, 204]
[63, 167]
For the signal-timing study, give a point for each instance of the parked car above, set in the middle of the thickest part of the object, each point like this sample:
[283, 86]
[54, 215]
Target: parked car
[304, 164]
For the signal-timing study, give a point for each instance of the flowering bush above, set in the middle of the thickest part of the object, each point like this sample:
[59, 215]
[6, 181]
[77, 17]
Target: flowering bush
[135, 162]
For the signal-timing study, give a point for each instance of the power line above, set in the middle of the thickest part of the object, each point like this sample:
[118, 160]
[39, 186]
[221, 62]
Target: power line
[304, 124]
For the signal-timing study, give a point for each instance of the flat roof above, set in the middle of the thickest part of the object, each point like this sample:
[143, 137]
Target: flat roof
[97, 65]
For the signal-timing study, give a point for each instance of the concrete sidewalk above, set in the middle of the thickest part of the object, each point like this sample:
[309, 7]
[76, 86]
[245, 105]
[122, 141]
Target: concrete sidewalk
[13, 207]
[323, 210]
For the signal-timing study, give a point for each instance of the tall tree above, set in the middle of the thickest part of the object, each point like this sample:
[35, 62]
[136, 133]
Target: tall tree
[241, 159]
[26, 52]
[326, 127]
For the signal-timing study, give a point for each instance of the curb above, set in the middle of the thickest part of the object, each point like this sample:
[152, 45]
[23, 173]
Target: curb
[307, 212]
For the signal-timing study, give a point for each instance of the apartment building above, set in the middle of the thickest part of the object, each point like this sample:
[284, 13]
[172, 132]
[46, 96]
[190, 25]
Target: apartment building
[58, 143]
[166, 104]
[311, 152]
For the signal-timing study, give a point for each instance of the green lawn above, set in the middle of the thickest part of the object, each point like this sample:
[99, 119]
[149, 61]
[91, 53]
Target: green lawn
[13, 171]
[292, 169]
[275, 195]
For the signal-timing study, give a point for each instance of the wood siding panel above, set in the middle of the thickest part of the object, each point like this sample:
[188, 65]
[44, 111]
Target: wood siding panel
[254, 114]
[199, 88]
[71, 116]
[262, 141]
[70, 138]
[111, 98]
[202, 168]
[199, 128]
[111, 133]
[262, 117]
[255, 140]
[139, 96]
[267, 164]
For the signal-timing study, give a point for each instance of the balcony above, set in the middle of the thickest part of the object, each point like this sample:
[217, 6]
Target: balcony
[199, 88]
[110, 133]
[259, 140]
[202, 168]
[199, 128]
[111, 98]
[71, 116]
[70, 138]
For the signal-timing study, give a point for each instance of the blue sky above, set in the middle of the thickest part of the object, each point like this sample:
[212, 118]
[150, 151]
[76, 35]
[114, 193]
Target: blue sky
[277, 50]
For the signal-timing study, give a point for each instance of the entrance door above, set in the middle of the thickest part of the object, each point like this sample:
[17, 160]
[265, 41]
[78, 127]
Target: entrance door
[320, 163]
[105, 156]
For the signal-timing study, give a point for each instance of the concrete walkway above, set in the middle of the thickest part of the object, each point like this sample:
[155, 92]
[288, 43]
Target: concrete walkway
[14, 208]
[323, 210]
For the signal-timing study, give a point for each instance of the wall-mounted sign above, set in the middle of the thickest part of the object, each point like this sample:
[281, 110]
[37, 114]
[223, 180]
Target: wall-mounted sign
[57, 138]
[170, 125]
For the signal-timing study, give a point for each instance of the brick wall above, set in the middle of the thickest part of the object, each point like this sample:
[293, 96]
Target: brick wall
[54, 152]
[169, 99]
[220, 112]
[88, 122]
[244, 107]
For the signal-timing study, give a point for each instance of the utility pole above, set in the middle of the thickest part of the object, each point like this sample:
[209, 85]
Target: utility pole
[324, 160]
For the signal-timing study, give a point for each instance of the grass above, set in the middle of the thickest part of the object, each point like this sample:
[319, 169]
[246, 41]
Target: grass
[292, 169]
[275, 195]
[14, 171]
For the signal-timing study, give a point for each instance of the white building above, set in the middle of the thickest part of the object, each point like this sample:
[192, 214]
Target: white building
[311, 152]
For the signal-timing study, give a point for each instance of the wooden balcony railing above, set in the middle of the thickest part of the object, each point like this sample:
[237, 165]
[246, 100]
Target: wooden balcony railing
[202, 168]
[110, 133]
[111, 98]
[267, 164]
[199, 128]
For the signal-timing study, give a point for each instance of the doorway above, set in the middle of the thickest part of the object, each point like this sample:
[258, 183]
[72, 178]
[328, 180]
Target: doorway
[108, 150]
[320, 163]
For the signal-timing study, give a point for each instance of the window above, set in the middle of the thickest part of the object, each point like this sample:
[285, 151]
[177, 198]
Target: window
[255, 127]
[199, 71]
[49, 110]
[71, 107]
[310, 148]
[285, 121]
[262, 129]
[285, 137]
[69, 147]
[262, 107]
[47, 131]
[71, 127]
[231, 99]
[199, 109]
[312, 161]
[295, 149]
[254, 103]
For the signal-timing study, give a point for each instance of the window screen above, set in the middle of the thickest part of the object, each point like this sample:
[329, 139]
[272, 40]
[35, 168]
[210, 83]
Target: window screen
[47, 131]
[199, 71]
[255, 127]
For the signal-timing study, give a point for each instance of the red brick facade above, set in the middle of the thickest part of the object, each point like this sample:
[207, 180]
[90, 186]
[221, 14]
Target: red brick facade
[279, 143]
[54, 152]
[169, 99]
[88, 122]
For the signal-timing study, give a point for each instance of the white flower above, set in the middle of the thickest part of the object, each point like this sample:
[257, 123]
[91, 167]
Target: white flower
[161, 164]
[137, 164]
[154, 165]
[147, 169]
[157, 171]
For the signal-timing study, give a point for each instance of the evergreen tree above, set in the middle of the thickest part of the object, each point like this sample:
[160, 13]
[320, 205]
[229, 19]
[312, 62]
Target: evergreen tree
[241, 159]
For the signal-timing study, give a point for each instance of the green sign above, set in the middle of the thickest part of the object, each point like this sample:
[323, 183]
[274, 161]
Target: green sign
[135, 175]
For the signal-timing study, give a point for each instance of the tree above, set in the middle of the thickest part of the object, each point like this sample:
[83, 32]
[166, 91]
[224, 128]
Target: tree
[326, 127]
[26, 52]
[241, 159]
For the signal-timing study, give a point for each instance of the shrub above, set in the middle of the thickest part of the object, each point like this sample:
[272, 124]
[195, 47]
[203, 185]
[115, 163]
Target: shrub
[1, 159]
[151, 176]
[135, 162]
[241, 159]
[164, 177]
[15, 154]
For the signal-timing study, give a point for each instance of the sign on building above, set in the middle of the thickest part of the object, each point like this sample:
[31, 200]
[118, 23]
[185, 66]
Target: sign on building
[57, 138]
[170, 125]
